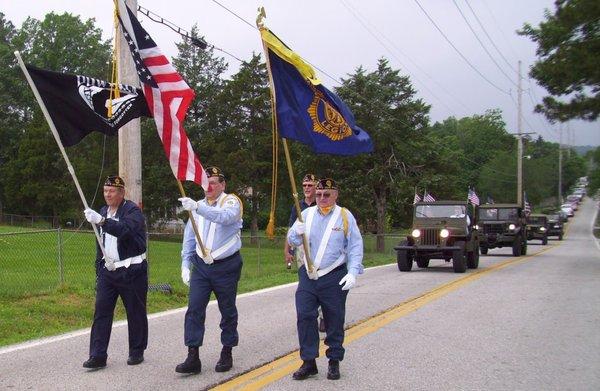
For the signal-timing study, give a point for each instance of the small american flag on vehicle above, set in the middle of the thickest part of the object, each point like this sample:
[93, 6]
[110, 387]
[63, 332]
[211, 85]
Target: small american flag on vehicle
[473, 198]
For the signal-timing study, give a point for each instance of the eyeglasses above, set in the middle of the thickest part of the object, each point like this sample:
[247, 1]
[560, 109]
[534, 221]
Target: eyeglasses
[308, 185]
[323, 195]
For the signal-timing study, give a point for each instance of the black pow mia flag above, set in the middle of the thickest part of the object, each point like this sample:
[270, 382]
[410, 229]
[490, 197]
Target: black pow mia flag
[78, 104]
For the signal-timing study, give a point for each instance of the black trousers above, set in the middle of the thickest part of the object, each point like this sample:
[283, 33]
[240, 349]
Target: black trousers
[132, 285]
[221, 278]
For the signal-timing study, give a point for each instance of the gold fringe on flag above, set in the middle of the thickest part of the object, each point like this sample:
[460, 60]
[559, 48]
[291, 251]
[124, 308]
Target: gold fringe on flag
[115, 92]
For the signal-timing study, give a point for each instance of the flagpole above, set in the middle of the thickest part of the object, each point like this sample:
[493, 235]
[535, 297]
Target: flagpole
[193, 220]
[288, 160]
[107, 261]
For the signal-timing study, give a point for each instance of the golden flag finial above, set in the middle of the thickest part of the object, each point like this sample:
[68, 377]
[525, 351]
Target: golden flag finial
[259, 18]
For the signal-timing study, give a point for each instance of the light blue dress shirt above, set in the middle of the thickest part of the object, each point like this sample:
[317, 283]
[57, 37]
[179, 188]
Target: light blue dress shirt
[351, 244]
[226, 213]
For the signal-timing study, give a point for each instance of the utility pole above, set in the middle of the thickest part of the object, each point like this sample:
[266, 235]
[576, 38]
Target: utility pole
[520, 142]
[130, 140]
[560, 129]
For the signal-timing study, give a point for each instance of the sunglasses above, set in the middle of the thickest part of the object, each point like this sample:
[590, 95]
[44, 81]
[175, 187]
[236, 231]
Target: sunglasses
[323, 195]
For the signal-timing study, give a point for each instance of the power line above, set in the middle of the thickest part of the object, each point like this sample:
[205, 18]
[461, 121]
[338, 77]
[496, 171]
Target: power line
[255, 28]
[390, 52]
[489, 37]
[481, 43]
[459, 52]
[198, 42]
[501, 32]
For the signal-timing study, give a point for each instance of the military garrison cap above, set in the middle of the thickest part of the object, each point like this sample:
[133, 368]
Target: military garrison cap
[114, 181]
[309, 178]
[214, 172]
[326, 184]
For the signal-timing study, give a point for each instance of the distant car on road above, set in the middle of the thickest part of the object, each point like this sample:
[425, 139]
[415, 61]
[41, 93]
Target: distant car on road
[568, 209]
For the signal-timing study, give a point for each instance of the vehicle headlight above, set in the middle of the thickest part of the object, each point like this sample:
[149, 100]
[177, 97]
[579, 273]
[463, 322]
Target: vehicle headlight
[557, 226]
[542, 229]
[416, 233]
[511, 227]
[476, 226]
[444, 233]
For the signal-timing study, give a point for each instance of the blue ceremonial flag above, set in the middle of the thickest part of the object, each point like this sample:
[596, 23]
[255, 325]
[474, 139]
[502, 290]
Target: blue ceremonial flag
[306, 111]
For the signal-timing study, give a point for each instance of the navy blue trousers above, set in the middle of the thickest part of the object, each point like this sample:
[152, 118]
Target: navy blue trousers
[222, 279]
[327, 293]
[132, 285]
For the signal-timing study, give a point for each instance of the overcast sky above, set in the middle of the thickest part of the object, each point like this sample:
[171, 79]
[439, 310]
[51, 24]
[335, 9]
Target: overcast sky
[337, 36]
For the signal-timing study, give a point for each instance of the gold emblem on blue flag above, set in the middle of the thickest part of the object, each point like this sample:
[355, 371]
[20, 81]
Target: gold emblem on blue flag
[327, 120]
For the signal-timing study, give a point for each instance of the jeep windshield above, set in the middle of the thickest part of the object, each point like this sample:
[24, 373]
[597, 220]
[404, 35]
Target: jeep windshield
[437, 211]
[498, 214]
[536, 220]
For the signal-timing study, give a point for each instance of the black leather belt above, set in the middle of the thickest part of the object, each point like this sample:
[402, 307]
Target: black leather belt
[235, 254]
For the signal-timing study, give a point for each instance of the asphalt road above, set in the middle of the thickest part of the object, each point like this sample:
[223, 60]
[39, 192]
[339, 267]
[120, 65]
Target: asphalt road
[526, 323]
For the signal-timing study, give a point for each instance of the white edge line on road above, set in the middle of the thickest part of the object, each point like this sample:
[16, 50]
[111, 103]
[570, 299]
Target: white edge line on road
[77, 333]
[596, 206]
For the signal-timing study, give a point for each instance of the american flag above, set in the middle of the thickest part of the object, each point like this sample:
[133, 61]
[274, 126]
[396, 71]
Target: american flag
[428, 197]
[473, 198]
[526, 205]
[416, 199]
[168, 97]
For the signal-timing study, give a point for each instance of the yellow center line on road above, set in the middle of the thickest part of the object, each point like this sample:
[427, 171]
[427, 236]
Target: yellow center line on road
[266, 374]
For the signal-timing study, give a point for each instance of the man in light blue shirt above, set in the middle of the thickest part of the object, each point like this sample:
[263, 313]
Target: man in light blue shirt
[213, 267]
[336, 250]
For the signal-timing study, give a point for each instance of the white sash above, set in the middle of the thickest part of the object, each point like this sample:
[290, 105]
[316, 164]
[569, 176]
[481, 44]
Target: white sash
[209, 241]
[335, 214]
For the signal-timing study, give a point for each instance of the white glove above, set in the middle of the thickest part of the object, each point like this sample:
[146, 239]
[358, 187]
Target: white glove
[207, 257]
[92, 216]
[185, 275]
[109, 264]
[300, 228]
[188, 203]
[349, 281]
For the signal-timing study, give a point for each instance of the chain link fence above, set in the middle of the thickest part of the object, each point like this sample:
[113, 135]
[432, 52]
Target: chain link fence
[40, 261]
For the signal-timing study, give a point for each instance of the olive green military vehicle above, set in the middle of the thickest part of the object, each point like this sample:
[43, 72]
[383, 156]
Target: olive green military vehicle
[537, 227]
[502, 225]
[441, 230]
[555, 226]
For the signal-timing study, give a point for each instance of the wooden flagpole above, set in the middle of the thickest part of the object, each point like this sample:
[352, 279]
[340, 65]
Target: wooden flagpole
[193, 220]
[107, 261]
[309, 265]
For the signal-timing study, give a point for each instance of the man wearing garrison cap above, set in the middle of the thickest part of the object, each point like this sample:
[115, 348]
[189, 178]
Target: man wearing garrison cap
[336, 250]
[123, 231]
[219, 220]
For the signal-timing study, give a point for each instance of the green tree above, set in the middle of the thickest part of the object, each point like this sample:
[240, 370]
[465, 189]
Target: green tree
[384, 103]
[242, 140]
[36, 177]
[569, 51]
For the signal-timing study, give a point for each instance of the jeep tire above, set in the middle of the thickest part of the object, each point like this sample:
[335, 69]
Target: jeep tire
[459, 260]
[484, 250]
[545, 240]
[473, 258]
[422, 262]
[517, 247]
[405, 260]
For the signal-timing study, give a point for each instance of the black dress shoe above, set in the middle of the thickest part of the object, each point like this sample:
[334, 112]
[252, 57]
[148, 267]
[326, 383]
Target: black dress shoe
[192, 363]
[95, 363]
[333, 372]
[225, 361]
[308, 369]
[135, 359]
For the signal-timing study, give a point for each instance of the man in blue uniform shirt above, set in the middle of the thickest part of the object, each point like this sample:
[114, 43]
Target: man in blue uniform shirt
[219, 220]
[336, 250]
[123, 232]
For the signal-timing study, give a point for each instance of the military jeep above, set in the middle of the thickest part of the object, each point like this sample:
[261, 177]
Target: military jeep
[555, 226]
[502, 225]
[440, 230]
[537, 228]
